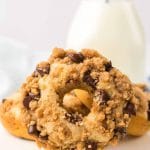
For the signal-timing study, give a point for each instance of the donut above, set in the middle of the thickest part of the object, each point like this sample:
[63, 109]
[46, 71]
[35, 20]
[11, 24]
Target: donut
[77, 100]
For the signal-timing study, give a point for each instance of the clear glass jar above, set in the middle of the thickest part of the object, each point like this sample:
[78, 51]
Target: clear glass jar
[114, 28]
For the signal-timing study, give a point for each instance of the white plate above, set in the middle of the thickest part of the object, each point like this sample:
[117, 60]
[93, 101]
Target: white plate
[8, 142]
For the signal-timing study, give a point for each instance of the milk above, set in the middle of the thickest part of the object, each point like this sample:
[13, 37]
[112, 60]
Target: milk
[112, 27]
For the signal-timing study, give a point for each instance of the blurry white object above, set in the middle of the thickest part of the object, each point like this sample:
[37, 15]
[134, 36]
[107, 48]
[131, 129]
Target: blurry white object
[13, 65]
[112, 27]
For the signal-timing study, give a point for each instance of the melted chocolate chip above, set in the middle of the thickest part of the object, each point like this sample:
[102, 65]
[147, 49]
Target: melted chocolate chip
[89, 80]
[27, 101]
[108, 66]
[104, 124]
[33, 130]
[148, 112]
[103, 96]
[73, 118]
[148, 115]
[29, 98]
[43, 137]
[4, 100]
[76, 57]
[120, 130]
[130, 109]
[90, 145]
[42, 70]
[149, 105]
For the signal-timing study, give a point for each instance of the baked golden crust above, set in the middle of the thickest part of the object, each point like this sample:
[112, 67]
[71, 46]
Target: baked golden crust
[140, 124]
[11, 116]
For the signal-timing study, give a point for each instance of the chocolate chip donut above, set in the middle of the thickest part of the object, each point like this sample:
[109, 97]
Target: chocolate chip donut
[77, 101]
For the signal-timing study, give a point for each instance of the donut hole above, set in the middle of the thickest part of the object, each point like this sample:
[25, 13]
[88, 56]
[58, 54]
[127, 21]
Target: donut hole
[78, 100]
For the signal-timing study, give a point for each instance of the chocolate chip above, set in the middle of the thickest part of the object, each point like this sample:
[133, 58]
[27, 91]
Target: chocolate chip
[29, 98]
[108, 66]
[4, 100]
[104, 124]
[89, 80]
[120, 130]
[149, 105]
[148, 113]
[42, 70]
[76, 57]
[103, 96]
[43, 137]
[73, 118]
[91, 145]
[27, 101]
[33, 130]
[130, 109]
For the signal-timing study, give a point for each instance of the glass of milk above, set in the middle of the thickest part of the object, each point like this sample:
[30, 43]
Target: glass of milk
[112, 27]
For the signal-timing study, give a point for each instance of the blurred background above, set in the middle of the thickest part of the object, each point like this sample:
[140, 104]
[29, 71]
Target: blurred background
[29, 29]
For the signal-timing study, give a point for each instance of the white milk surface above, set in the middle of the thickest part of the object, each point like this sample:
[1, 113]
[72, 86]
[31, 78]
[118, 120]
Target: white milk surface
[114, 29]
